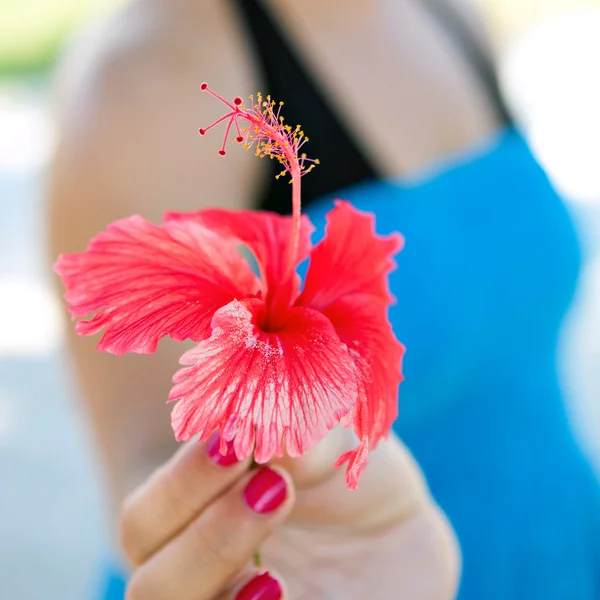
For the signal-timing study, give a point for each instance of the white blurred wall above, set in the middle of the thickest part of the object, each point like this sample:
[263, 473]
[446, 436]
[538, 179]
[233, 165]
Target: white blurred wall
[51, 524]
[550, 77]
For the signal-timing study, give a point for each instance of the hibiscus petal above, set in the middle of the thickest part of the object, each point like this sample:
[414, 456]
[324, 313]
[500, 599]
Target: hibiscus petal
[268, 235]
[362, 324]
[351, 258]
[146, 281]
[269, 392]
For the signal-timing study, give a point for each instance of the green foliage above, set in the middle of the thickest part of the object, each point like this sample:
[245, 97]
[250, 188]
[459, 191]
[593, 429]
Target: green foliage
[32, 32]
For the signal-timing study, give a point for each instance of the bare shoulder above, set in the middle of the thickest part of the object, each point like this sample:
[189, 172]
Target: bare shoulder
[149, 44]
[128, 108]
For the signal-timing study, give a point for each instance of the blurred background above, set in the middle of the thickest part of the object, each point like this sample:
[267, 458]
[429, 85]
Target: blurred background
[52, 528]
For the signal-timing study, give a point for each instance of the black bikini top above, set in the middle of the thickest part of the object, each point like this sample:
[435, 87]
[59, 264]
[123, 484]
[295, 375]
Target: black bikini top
[287, 79]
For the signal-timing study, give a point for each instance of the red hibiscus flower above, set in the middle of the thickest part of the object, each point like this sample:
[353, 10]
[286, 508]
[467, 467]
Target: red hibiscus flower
[276, 366]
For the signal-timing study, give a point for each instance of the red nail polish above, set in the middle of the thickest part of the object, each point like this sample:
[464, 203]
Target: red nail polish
[266, 491]
[213, 449]
[262, 587]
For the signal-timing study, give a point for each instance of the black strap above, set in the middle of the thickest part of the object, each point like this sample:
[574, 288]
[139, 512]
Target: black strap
[343, 164]
[465, 39]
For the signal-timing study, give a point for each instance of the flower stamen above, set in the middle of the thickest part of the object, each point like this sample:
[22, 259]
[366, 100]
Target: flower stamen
[273, 138]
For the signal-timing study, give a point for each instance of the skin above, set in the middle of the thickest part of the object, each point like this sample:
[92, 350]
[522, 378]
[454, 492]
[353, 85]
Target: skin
[127, 110]
[190, 535]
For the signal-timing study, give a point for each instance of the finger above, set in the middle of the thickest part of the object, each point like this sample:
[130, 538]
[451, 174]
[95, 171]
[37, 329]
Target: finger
[199, 563]
[391, 488]
[174, 495]
[255, 585]
[316, 466]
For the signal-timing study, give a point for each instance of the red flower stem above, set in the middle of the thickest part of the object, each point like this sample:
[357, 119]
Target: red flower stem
[257, 559]
[296, 208]
[296, 175]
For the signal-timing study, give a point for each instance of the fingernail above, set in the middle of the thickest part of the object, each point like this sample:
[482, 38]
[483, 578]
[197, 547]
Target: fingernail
[262, 587]
[213, 449]
[266, 491]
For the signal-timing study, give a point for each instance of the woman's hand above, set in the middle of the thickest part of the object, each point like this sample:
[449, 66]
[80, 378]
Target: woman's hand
[192, 529]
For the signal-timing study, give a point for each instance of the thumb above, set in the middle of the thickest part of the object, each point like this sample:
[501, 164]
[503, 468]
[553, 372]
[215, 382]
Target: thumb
[390, 489]
[316, 465]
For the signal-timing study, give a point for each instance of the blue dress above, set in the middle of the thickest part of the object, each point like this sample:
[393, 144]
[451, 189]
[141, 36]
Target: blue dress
[488, 272]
